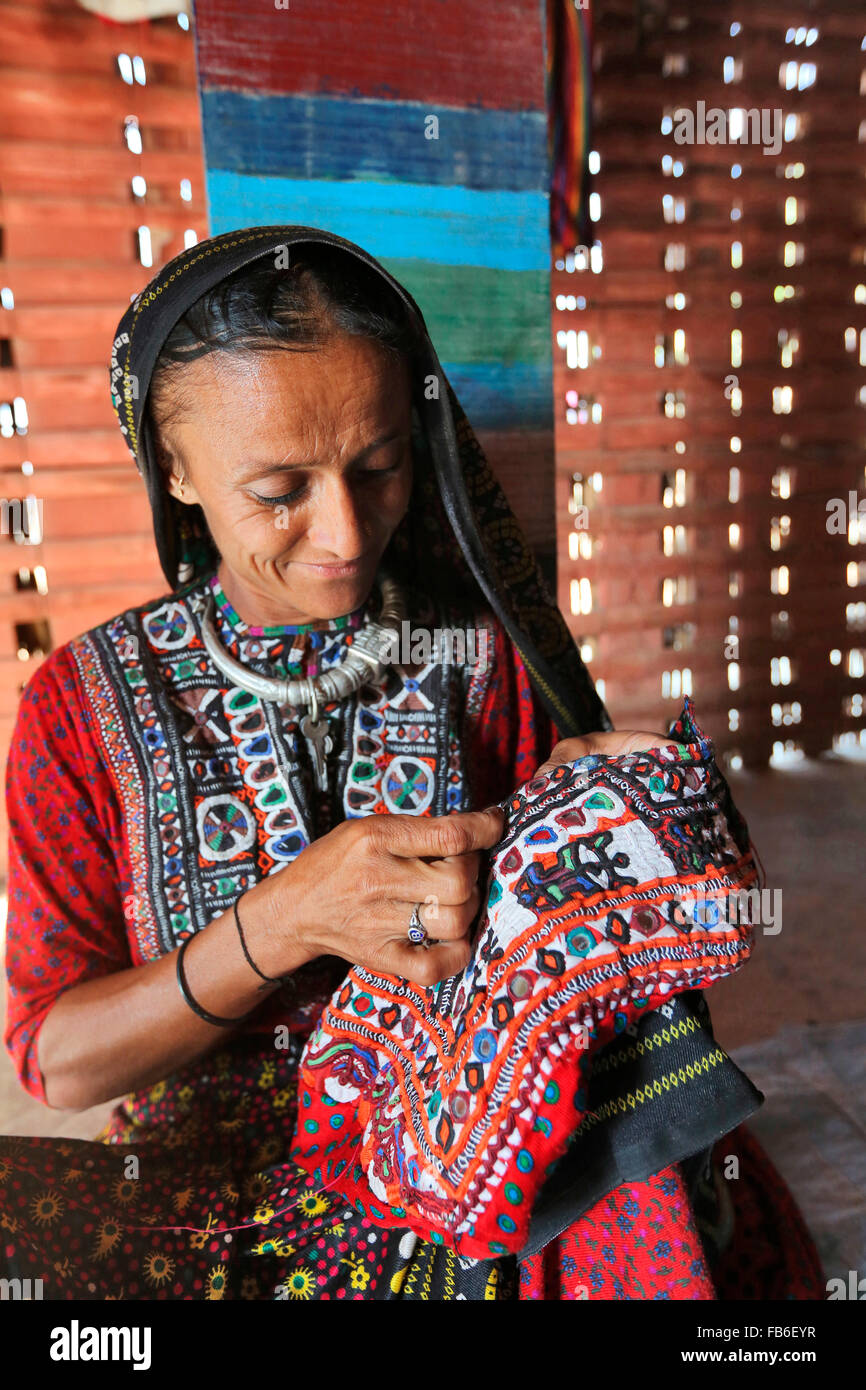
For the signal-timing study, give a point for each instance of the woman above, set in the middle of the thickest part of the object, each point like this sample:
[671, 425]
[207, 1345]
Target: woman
[220, 798]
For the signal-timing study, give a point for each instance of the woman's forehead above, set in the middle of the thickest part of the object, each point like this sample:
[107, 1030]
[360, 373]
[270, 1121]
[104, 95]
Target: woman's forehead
[341, 368]
[268, 406]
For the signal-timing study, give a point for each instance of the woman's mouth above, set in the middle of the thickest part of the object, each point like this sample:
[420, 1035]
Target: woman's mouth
[342, 569]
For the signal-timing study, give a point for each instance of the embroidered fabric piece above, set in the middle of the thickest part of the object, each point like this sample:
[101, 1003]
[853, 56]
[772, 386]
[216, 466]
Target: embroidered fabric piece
[444, 1109]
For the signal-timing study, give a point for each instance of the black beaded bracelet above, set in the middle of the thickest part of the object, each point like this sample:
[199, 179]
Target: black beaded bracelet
[196, 1008]
[271, 979]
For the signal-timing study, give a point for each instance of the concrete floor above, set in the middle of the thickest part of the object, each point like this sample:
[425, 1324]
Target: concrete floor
[794, 1018]
[808, 824]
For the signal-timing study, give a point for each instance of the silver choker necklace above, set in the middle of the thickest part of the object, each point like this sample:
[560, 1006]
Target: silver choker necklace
[362, 665]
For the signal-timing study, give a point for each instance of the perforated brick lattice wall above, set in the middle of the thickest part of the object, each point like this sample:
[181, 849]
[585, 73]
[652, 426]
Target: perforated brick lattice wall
[710, 374]
[101, 180]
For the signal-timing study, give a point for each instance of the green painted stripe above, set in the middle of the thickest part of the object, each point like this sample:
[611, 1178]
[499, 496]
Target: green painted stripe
[475, 314]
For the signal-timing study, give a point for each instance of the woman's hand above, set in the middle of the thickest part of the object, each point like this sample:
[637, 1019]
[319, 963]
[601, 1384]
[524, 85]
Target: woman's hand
[351, 894]
[610, 744]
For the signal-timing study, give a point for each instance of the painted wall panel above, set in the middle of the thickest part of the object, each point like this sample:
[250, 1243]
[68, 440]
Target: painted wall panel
[418, 130]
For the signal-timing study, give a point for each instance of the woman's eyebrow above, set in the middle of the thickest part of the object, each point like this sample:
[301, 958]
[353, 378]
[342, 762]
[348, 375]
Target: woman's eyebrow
[261, 468]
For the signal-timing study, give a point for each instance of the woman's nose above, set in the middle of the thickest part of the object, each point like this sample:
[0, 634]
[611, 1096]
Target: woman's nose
[337, 526]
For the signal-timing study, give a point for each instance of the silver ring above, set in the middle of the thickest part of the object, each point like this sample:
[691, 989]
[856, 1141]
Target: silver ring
[417, 932]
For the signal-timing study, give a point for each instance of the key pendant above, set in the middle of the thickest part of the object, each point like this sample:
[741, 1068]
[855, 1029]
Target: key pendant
[315, 730]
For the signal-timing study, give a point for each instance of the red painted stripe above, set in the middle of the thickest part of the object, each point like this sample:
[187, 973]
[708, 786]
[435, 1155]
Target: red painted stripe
[454, 52]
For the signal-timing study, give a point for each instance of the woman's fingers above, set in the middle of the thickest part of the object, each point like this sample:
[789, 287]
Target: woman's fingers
[610, 743]
[385, 867]
[440, 921]
[613, 743]
[438, 837]
[426, 966]
[448, 879]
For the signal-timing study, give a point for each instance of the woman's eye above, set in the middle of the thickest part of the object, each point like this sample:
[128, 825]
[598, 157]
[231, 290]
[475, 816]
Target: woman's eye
[378, 472]
[365, 474]
[282, 500]
[403, 454]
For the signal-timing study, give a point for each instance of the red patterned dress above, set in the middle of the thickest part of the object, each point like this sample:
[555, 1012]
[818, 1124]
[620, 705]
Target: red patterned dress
[144, 796]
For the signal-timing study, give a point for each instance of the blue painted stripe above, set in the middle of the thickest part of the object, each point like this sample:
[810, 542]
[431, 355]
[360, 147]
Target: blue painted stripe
[454, 226]
[336, 138]
[496, 396]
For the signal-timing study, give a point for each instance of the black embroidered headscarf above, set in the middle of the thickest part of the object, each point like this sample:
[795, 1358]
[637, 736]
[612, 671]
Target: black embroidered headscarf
[459, 518]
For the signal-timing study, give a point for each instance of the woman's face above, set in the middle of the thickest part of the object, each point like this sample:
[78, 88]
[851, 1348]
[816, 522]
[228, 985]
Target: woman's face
[302, 464]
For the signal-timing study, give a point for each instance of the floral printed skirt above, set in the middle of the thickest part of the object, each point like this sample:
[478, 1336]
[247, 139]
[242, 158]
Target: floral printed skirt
[189, 1194]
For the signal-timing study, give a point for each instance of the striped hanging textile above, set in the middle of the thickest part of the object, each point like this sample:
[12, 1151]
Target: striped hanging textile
[569, 57]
